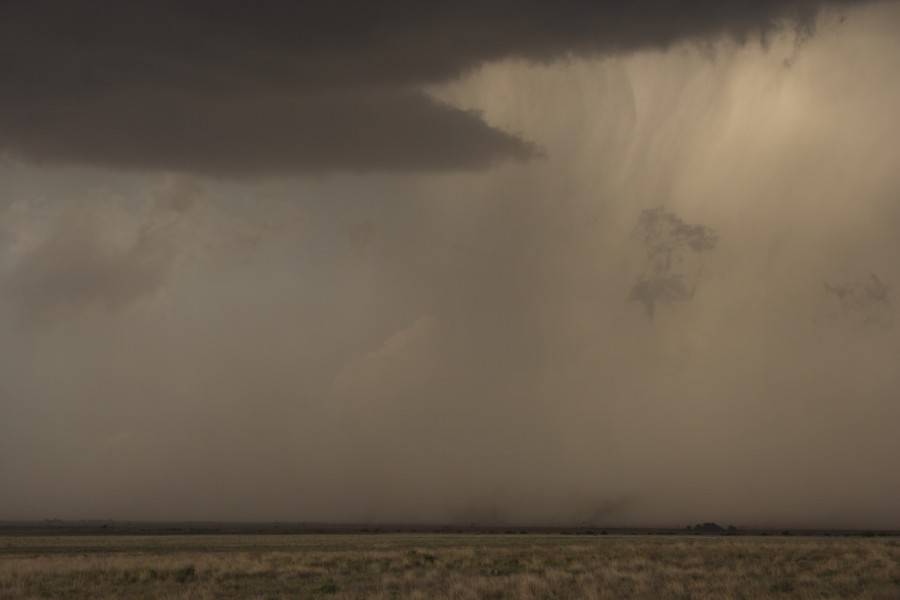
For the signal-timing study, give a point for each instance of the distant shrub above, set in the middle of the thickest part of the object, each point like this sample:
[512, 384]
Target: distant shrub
[707, 527]
[329, 587]
[783, 586]
[185, 573]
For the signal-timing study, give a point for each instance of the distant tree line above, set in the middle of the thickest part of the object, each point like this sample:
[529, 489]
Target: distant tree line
[712, 528]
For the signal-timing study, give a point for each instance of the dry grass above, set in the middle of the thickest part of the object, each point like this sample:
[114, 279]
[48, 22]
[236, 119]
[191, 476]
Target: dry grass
[448, 566]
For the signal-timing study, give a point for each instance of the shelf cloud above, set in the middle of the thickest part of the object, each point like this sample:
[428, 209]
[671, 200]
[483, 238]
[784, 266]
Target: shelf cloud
[243, 90]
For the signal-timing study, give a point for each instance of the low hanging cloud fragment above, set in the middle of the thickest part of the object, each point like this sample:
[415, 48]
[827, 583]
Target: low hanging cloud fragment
[96, 253]
[105, 252]
[236, 89]
[671, 274]
[867, 302]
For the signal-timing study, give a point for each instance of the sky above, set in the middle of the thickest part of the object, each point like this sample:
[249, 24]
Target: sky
[606, 263]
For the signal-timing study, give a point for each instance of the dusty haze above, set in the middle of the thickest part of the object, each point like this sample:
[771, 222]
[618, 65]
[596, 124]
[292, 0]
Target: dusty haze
[563, 273]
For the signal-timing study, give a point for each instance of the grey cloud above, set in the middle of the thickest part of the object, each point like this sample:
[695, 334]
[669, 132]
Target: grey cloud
[235, 89]
[111, 253]
[97, 253]
[74, 269]
[180, 195]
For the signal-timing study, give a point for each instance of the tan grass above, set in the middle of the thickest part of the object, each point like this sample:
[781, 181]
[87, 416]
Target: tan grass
[448, 566]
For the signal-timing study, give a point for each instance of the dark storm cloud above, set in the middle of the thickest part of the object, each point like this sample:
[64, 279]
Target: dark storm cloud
[247, 89]
[241, 136]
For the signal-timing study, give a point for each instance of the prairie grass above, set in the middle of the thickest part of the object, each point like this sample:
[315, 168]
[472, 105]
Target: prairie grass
[448, 566]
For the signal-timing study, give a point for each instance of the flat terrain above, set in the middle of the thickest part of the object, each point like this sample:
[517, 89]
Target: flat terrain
[445, 565]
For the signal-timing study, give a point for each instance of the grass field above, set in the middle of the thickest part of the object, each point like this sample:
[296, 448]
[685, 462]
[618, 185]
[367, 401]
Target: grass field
[447, 566]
